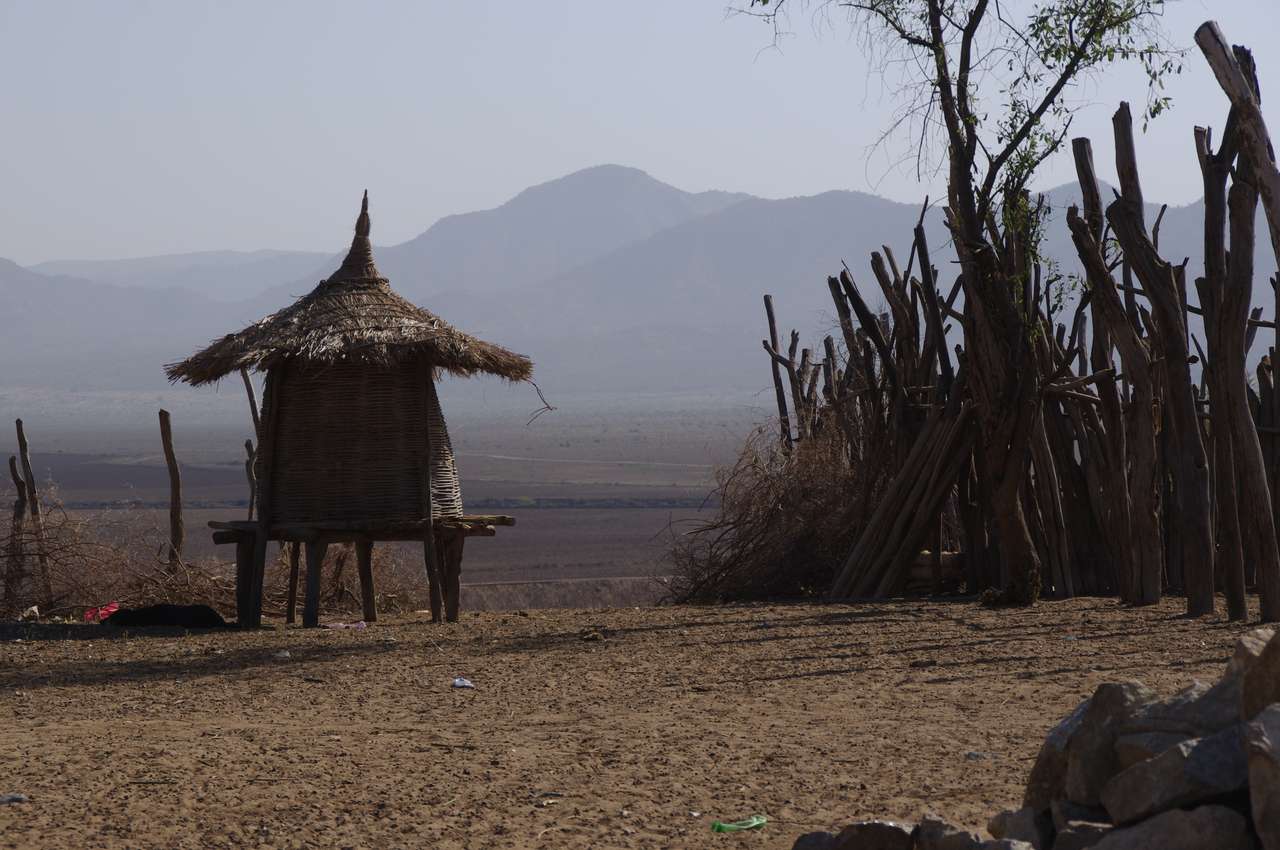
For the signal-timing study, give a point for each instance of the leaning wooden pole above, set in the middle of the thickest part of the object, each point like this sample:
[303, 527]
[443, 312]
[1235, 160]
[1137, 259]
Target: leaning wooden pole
[177, 532]
[33, 508]
[784, 421]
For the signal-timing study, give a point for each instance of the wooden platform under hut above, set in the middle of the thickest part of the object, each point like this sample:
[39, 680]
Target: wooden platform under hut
[352, 443]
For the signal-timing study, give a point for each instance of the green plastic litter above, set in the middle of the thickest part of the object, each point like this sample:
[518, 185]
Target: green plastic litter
[753, 822]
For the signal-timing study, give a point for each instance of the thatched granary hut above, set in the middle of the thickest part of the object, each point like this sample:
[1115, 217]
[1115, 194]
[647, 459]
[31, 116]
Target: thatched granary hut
[352, 439]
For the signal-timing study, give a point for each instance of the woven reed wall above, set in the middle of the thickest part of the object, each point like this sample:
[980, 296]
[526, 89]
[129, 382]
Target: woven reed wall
[349, 445]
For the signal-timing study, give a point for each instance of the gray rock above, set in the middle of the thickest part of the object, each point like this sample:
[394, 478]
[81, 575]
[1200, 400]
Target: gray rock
[10, 799]
[935, 834]
[1065, 812]
[1091, 756]
[1261, 685]
[1262, 744]
[1195, 711]
[1187, 773]
[1080, 835]
[1025, 824]
[815, 841]
[1049, 775]
[1140, 746]
[1248, 648]
[1205, 828]
[1004, 844]
[874, 835]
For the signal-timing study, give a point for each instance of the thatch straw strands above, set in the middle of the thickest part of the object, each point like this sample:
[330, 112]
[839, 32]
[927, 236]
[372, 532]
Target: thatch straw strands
[353, 317]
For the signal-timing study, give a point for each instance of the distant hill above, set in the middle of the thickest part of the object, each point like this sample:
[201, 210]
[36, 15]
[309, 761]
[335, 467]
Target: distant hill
[611, 280]
[217, 275]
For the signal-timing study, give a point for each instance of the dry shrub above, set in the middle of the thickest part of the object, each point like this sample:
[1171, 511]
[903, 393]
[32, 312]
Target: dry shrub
[786, 521]
[121, 556]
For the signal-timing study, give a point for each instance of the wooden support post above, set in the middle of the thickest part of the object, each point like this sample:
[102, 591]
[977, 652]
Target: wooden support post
[249, 474]
[244, 579]
[429, 546]
[435, 582]
[311, 606]
[253, 402]
[33, 508]
[452, 576]
[271, 396]
[291, 605]
[176, 531]
[364, 560]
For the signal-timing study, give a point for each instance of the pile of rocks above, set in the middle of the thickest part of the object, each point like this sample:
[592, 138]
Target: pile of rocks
[1128, 770]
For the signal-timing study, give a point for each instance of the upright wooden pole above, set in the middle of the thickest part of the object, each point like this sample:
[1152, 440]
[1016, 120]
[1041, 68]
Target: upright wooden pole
[250, 456]
[311, 606]
[13, 566]
[292, 603]
[253, 401]
[33, 507]
[452, 576]
[271, 395]
[429, 546]
[176, 531]
[364, 560]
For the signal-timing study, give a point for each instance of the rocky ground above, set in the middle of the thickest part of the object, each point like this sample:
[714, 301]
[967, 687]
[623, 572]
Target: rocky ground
[624, 728]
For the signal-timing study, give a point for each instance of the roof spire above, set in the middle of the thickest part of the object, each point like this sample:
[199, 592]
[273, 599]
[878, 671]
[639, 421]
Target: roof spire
[362, 223]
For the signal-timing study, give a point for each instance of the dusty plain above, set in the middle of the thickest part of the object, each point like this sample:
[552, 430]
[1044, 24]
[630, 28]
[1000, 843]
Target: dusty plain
[628, 728]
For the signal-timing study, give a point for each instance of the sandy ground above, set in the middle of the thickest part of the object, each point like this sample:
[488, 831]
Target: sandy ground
[624, 728]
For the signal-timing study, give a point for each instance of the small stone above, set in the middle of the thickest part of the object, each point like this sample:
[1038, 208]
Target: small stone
[1215, 827]
[1140, 746]
[1080, 835]
[1048, 777]
[936, 834]
[1091, 757]
[1004, 844]
[1025, 824]
[1262, 744]
[874, 835]
[10, 799]
[1188, 773]
[1261, 682]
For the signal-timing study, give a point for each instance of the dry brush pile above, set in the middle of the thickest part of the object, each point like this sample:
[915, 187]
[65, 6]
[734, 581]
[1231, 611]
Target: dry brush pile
[1118, 447]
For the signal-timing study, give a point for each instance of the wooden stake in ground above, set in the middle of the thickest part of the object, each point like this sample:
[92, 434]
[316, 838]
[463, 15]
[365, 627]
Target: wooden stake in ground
[33, 507]
[176, 531]
[13, 555]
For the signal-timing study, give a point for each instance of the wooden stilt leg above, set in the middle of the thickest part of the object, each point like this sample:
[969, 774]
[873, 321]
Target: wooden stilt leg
[292, 604]
[435, 582]
[311, 605]
[364, 559]
[452, 577]
[258, 576]
[244, 579]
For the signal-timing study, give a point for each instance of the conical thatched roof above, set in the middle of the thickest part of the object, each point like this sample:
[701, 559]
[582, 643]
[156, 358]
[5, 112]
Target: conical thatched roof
[354, 316]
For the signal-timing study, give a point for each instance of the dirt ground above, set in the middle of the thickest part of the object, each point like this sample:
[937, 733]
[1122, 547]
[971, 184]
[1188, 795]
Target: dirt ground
[622, 728]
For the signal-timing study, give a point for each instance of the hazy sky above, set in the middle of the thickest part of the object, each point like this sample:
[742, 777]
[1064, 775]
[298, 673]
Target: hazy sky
[135, 128]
